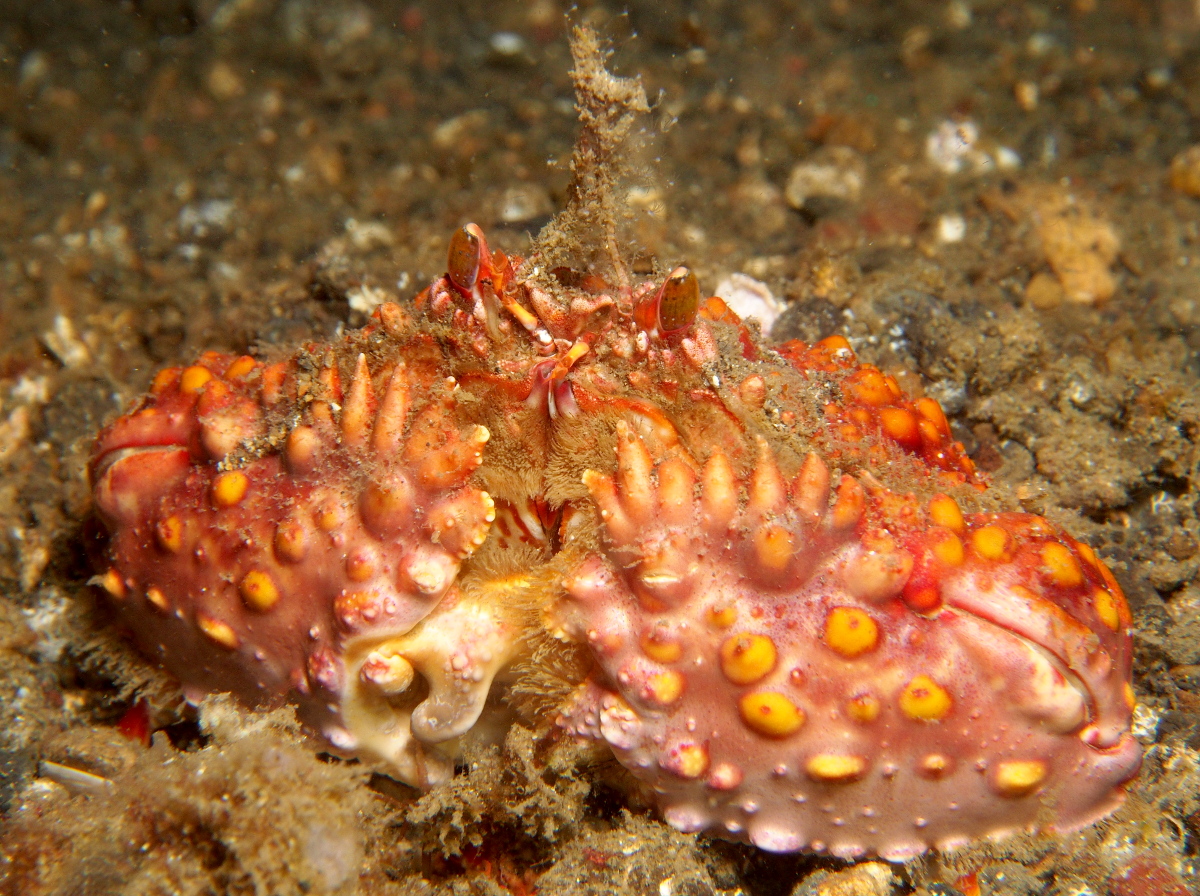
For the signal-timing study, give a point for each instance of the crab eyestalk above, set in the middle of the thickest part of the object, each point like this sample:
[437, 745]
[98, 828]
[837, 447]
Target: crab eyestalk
[469, 270]
[678, 300]
[672, 306]
[484, 279]
[467, 255]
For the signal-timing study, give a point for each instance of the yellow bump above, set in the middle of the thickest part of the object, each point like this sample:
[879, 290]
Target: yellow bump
[880, 573]
[1039, 527]
[774, 547]
[690, 761]
[1110, 581]
[661, 646]
[387, 670]
[194, 379]
[928, 432]
[169, 534]
[747, 658]
[156, 597]
[258, 590]
[719, 495]
[676, 491]
[901, 425]
[835, 767]
[355, 607]
[300, 449]
[1106, 608]
[1086, 552]
[863, 708]
[291, 541]
[725, 776]
[835, 345]
[933, 413]
[217, 631]
[1061, 565]
[770, 713]
[664, 688]
[868, 385]
[1019, 777]
[934, 765]
[924, 700]
[329, 516]
[721, 617]
[944, 512]
[1130, 696]
[850, 632]
[163, 379]
[360, 566]
[947, 547]
[879, 540]
[240, 367]
[753, 391]
[229, 488]
[848, 508]
[112, 582]
[992, 543]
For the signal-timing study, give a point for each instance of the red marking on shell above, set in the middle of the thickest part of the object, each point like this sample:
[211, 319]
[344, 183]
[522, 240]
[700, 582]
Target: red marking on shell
[135, 722]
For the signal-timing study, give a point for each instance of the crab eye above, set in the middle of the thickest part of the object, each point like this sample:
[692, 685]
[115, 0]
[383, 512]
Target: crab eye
[462, 266]
[678, 300]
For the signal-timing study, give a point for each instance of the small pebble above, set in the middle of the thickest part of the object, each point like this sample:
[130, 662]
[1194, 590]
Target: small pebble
[951, 146]
[1044, 291]
[223, 82]
[958, 15]
[1026, 93]
[1185, 172]
[96, 203]
[868, 879]
[523, 202]
[35, 66]
[1147, 876]
[748, 298]
[951, 228]
[835, 172]
[1081, 247]
[508, 45]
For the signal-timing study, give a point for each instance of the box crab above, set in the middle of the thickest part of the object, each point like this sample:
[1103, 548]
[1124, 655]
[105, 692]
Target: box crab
[781, 611]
